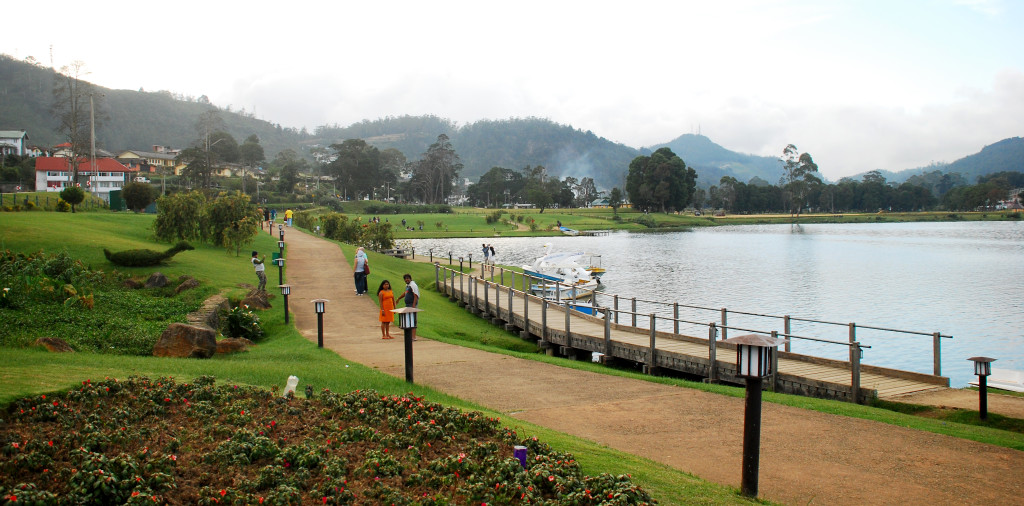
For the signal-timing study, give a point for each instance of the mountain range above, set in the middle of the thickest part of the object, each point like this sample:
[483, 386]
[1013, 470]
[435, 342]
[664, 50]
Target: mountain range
[141, 119]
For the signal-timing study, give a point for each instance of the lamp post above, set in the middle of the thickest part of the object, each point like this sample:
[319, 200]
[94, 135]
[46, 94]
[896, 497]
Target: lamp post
[280, 231]
[407, 322]
[280, 246]
[320, 306]
[754, 363]
[983, 368]
[285, 291]
[280, 270]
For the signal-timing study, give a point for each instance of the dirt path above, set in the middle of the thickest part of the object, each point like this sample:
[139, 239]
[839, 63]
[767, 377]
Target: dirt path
[806, 457]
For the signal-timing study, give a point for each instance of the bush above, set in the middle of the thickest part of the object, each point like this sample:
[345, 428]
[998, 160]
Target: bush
[241, 321]
[137, 195]
[646, 220]
[73, 195]
[180, 217]
[494, 217]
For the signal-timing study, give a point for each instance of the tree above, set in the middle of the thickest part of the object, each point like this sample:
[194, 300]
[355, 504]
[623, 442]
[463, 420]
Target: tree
[799, 176]
[538, 189]
[73, 195]
[74, 104]
[137, 195]
[660, 182]
[585, 191]
[435, 173]
[496, 185]
[232, 221]
[615, 199]
[180, 217]
[289, 164]
[251, 154]
[357, 167]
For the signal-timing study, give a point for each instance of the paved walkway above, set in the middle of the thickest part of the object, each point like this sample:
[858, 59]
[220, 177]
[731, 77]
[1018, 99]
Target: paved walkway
[806, 456]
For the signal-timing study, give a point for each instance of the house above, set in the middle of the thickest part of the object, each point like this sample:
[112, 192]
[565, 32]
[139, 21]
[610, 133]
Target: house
[13, 142]
[53, 175]
[161, 160]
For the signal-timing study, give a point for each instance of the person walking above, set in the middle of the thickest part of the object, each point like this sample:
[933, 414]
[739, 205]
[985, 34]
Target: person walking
[260, 267]
[412, 296]
[288, 217]
[360, 270]
[387, 302]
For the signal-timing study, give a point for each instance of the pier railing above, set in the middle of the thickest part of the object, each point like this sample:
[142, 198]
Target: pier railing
[651, 315]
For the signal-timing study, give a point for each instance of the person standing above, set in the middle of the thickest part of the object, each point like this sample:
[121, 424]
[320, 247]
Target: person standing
[360, 270]
[387, 302]
[288, 217]
[260, 267]
[266, 218]
[412, 296]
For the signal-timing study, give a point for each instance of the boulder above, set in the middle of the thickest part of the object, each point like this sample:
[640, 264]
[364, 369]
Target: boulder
[156, 280]
[233, 345]
[54, 344]
[186, 341]
[256, 299]
[187, 284]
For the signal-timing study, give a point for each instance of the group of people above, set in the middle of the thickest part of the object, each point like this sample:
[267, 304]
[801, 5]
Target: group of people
[361, 269]
[385, 294]
[270, 216]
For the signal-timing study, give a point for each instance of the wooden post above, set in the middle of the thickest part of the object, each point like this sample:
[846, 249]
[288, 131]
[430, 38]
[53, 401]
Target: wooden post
[712, 351]
[675, 318]
[437, 276]
[774, 380]
[650, 355]
[853, 339]
[497, 300]
[487, 298]
[937, 353]
[510, 290]
[543, 319]
[787, 330]
[855, 370]
[462, 290]
[607, 335]
[567, 316]
[634, 311]
[725, 324]
[526, 315]
[502, 272]
[615, 303]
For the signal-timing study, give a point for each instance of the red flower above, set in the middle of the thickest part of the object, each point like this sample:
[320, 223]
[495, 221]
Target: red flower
[223, 492]
[551, 478]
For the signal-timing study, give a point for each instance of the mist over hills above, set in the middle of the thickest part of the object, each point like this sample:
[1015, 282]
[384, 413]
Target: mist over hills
[140, 119]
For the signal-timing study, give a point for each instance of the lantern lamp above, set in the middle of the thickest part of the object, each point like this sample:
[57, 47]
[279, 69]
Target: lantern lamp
[983, 369]
[753, 354]
[982, 365]
[407, 322]
[320, 305]
[285, 291]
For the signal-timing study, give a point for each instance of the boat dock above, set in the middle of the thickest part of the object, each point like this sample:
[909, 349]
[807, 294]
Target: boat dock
[661, 347]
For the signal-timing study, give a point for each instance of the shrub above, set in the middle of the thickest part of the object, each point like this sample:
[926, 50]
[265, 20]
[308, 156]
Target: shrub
[646, 220]
[137, 195]
[241, 321]
[73, 195]
[180, 217]
[493, 217]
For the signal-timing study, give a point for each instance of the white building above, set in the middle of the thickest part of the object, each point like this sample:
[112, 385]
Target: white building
[13, 142]
[53, 174]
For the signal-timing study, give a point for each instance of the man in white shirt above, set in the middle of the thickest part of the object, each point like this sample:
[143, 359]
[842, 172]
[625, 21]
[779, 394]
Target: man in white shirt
[257, 263]
[412, 296]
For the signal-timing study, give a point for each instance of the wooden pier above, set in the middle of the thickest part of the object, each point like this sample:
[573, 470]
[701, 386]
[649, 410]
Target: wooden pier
[577, 335]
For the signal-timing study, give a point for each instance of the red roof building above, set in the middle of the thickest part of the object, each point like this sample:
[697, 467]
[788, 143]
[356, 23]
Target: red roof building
[53, 174]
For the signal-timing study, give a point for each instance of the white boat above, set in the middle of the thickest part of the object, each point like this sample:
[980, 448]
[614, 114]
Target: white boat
[569, 231]
[560, 276]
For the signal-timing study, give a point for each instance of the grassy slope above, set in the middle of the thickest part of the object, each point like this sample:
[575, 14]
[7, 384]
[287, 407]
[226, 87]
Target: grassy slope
[26, 372]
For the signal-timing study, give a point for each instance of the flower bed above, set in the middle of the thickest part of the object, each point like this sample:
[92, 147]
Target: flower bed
[145, 441]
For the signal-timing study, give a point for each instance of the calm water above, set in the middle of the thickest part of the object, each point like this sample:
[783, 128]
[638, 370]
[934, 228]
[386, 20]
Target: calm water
[960, 279]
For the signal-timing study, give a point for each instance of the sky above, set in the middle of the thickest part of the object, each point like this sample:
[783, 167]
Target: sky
[858, 84]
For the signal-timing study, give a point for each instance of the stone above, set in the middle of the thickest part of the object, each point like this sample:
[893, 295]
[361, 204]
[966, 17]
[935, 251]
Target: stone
[256, 299]
[187, 284]
[156, 280]
[233, 345]
[186, 341]
[54, 344]
[134, 284]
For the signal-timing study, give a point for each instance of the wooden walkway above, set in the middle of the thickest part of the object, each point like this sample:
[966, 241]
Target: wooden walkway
[578, 336]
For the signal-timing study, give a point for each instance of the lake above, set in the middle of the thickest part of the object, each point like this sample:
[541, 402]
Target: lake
[960, 279]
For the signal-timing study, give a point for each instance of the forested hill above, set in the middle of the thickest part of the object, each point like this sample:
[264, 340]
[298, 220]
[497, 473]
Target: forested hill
[126, 119]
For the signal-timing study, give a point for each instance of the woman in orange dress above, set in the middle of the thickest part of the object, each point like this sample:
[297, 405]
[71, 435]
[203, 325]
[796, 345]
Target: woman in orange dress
[387, 302]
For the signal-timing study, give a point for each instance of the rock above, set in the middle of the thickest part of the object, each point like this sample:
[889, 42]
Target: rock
[54, 344]
[186, 341]
[256, 300]
[187, 284]
[156, 280]
[233, 345]
[133, 284]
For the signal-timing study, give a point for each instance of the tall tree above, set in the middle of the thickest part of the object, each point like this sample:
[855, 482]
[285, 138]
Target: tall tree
[660, 182]
[74, 104]
[799, 177]
[615, 199]
[289, 164]
[540, 190]
[251, 153]
[435, 173]
[356, 166]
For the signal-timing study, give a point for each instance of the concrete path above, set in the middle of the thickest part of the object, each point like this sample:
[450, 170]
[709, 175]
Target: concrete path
[806, 456]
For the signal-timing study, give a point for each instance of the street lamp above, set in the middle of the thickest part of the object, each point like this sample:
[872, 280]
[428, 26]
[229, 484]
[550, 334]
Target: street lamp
[280, 270]
[285, 291]
[320, 305]
[754, 363]
[983, 369]
[407, 321]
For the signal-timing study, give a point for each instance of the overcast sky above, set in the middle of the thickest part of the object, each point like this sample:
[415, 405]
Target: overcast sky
[860, 85]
